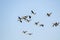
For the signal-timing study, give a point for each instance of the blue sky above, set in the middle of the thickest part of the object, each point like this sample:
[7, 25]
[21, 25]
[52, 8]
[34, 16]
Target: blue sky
[11, 29]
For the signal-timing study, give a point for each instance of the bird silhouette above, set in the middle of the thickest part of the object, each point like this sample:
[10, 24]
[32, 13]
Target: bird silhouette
[36, 23]
[24, 17]
[55, 24]
[29, 33]
[49, 14]
[33, 12]
[19, 19]
[42, 25]
[30, 17]
[27, 20]
[24, 32]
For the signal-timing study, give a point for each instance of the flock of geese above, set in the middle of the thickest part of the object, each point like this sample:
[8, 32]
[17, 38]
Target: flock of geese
[28, 19]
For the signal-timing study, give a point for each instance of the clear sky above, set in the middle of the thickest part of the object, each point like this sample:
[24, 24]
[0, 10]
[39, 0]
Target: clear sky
[11, 29]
